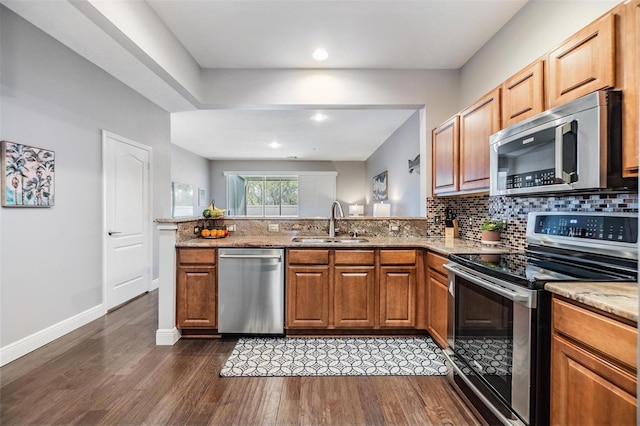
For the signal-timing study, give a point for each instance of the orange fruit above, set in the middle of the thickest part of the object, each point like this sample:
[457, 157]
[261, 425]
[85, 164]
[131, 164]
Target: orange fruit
[220, 233]
[205, 232]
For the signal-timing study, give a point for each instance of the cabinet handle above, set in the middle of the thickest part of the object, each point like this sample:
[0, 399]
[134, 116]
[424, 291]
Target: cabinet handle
[113, 232]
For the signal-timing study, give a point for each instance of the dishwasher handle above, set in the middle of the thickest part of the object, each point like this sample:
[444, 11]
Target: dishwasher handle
[251, 256]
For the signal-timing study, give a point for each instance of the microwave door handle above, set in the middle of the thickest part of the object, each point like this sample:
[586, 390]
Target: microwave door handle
[564, 132]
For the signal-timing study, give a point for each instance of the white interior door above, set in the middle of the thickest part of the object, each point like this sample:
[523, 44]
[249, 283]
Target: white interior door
[127, 233]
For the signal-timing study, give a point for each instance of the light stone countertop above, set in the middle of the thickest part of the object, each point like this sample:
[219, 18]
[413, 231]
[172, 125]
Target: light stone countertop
[440, 245]
[619, 299]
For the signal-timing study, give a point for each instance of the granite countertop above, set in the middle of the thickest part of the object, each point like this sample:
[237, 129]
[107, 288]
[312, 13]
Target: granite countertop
[440, 245]
[619, 299]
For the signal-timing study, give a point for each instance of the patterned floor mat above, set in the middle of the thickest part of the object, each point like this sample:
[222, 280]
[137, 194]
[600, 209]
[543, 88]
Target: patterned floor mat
[335, 357]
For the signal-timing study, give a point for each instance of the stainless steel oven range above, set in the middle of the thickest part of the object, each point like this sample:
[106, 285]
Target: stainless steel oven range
[500, 315]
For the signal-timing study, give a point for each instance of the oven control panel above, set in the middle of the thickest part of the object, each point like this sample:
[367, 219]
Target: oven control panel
[622, 229]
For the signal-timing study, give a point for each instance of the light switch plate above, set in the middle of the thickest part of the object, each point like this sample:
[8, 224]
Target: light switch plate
[393, 228]
[274, 227]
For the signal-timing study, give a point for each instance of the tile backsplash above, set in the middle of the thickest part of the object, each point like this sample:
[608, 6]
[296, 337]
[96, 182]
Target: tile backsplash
[471, 211]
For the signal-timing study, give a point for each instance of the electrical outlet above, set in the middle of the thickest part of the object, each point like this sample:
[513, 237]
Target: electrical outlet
[393, 228]
[274, 227]
[196, 229]
[231, 228]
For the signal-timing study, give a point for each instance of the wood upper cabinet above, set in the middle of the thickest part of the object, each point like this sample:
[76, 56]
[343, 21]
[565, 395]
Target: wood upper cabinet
[584, 63]
[307, 289]
[437, 299]
[594, 360]
[523, 94]
[477, 123]
[445, 159]
[196, 288]
[628, 68]
[354, 288]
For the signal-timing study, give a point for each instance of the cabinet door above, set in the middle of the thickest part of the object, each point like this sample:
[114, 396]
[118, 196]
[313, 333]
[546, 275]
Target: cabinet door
[196, 297]
[584, 63]
[631, 85]
[586, 390]
[523, 94]
[307, 296]
[354, 296]
[477, 123]
[397, 296]
[438, 298]
[445, 160]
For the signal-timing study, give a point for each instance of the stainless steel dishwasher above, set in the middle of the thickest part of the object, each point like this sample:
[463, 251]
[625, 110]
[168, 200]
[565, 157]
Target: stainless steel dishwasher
[251, 290]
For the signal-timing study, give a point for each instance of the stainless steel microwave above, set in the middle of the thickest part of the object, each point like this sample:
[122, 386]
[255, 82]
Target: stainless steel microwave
[573, 147]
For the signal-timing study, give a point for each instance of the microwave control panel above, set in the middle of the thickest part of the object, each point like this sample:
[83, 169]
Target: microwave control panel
[604, 228]
[531, 179]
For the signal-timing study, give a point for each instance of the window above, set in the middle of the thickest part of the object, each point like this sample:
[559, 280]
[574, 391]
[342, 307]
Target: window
[280, 195]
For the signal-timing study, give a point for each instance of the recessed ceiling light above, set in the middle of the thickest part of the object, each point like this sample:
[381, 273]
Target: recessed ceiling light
[320, 54]
[318, 117]
[274, 145]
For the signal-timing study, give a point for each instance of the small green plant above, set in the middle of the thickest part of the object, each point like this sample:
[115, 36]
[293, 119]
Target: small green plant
[493, 225]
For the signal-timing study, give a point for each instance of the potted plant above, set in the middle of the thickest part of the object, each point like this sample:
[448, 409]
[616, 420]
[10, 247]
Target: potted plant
[491, 229]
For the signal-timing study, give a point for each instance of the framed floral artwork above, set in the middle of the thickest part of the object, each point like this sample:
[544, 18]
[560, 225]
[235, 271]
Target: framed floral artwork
[28, 175]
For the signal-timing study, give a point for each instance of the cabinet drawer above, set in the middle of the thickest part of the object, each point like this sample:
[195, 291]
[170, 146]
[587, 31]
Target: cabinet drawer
[436, 262]
[308, 257]
[599, 332]
[355, 257]
[397, 257]
[200, 256]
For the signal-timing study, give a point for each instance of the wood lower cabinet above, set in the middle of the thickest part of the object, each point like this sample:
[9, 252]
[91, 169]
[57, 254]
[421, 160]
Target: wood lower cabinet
[593, 368]
[477, 123]
[437, 299]
[354, 296]
[307, 289]
[397, 296]
[398, 284]
[523, 94]
[584, 63]
[196, 289]
[353, 289]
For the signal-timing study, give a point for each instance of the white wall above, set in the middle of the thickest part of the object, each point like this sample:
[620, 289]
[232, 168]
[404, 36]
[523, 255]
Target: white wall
[393, 156]
[187, 167]
[51, 262]
[536, 29]
[349, 182]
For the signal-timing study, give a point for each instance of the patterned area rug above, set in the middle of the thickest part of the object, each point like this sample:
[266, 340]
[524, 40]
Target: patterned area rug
[335, 357]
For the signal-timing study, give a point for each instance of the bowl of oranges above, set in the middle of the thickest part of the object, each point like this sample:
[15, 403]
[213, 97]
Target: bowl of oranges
[214, 232]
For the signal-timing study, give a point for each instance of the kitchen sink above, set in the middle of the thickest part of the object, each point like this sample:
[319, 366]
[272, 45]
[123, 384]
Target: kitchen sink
[323, 240]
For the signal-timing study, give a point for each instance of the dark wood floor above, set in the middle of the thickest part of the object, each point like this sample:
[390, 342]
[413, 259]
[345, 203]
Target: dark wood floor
[111, 372]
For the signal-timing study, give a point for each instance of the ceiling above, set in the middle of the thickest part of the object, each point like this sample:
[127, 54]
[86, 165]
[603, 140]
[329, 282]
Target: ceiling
[343, 135]
[399, 34]
[270, 34]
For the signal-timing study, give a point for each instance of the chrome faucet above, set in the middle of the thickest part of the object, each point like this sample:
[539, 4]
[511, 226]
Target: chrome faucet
[332, 221]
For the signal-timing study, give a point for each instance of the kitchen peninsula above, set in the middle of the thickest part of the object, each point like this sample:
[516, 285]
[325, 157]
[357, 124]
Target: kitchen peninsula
[410, 237]
[176, 234]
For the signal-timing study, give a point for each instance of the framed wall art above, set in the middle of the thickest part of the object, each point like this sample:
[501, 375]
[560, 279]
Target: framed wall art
[181, 199]
[28, 175]
[380, 186]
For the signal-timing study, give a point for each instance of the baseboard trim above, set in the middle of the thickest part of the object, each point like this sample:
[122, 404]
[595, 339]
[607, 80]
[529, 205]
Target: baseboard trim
[17, 349]
[167, 336]
[155, 284]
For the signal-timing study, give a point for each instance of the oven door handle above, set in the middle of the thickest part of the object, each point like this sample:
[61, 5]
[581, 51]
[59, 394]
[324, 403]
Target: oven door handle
[502, 291]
